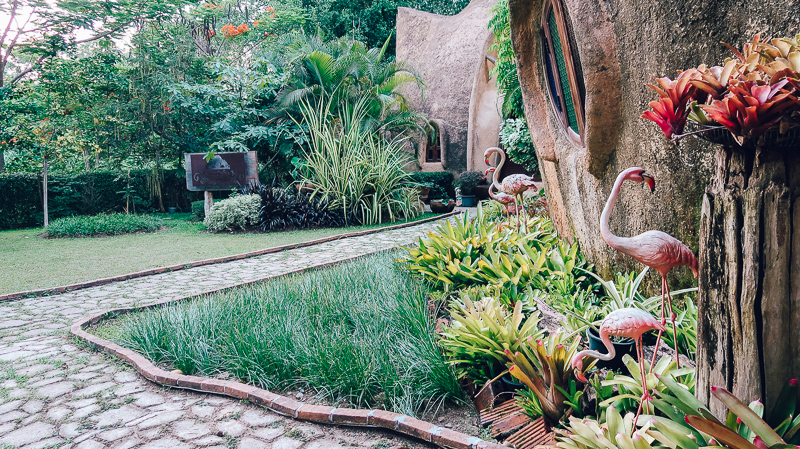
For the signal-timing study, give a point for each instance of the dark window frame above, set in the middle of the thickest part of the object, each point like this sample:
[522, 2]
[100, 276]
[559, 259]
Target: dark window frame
[572, 68]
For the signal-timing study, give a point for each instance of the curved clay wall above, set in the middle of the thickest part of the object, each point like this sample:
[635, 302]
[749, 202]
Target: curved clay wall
[621, 45]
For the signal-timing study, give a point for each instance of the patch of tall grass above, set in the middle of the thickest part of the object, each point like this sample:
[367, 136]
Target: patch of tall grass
[357, 333]
[102, 224]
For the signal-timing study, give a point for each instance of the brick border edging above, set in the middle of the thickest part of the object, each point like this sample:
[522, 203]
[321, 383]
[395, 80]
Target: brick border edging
[198, 263]
[283, 405]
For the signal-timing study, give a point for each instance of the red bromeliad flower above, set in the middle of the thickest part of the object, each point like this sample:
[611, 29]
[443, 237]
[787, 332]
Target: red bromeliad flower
[749, 109]
[670, 112]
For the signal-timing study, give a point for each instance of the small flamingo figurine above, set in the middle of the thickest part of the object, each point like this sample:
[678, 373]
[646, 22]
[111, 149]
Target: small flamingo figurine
[658, 250]
[628, 322]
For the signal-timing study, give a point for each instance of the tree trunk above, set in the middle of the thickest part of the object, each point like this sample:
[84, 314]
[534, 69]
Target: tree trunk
[44, 191]
[749, 310]
[2, 162]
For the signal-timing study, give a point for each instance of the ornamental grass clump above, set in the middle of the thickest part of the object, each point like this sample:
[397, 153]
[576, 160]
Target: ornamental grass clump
[102, 225]
[358, 333]
[355, 168]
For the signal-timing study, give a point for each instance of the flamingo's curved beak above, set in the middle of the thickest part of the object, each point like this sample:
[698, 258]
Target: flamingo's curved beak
[651, 182]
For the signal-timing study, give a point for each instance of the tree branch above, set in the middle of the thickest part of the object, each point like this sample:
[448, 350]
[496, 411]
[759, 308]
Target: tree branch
[10, 20]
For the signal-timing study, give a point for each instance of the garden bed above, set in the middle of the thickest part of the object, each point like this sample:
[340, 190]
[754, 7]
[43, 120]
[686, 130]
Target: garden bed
[364, 340]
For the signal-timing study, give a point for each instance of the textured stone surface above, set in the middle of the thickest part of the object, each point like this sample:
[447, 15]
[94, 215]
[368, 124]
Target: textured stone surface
[56, 394]
[449, 53]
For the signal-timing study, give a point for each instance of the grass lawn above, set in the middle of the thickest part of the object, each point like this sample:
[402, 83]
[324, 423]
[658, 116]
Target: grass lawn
[358, 334]
[31, 263]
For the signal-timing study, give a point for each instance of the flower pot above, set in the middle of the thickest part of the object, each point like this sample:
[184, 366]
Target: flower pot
[438, 207]
[482, 192]
[468, 200]
[172, 209]
[511, 383]
[626, 346]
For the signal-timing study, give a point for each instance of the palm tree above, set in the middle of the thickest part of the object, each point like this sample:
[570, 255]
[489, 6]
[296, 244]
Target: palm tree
[343, 71]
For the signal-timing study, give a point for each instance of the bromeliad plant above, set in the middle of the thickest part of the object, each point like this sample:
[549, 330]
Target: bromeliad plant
[481, 332]
[750, 93]
[545, 366]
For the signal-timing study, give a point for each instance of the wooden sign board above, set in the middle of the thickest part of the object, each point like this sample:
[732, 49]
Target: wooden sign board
[225, 171]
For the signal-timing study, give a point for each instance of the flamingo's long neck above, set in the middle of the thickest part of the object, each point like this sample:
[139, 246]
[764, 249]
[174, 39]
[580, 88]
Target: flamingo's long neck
[613, 240]
[495, 182]
[606, 339]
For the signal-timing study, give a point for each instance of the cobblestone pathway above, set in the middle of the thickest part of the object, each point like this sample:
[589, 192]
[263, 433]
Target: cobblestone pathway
[54, 393]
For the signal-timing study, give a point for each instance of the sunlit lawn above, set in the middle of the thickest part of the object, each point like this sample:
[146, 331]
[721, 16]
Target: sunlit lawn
[31, 263]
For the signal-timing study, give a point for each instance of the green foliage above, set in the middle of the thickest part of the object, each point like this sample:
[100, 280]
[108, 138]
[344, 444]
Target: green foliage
[238, 212]
[442, 179]
[366, 339]
[476, 252]
[89, 193]
[354, 169]
[102, 225]
[505, 67]
[481, 331]
[371, 21]
[468, 180]
[20, 201]
[545, 366]
[516, 140]
[290, 208]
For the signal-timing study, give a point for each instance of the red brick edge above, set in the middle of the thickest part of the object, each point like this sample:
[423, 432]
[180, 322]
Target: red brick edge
[198, 263]
[283, 405]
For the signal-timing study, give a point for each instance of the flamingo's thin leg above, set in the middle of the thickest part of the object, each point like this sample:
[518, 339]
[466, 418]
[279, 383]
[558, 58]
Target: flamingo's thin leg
[664, 288]
[640, 354]
[674, 328]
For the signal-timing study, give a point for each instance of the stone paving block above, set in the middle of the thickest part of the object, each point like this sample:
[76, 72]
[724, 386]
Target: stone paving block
[28, 434]
[286, 443]
[251, 443]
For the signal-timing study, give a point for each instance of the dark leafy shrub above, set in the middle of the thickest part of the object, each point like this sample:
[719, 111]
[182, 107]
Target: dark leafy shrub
[88, 193]
[288, 208]
[443, 179]
[468, 180]
[103, 224]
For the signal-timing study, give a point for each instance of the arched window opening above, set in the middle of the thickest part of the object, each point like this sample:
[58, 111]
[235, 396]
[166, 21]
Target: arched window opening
[433, 148]
[564, 78]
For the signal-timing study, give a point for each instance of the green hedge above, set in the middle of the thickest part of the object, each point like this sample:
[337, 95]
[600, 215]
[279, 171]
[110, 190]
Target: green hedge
[88, 193]
[443, 179]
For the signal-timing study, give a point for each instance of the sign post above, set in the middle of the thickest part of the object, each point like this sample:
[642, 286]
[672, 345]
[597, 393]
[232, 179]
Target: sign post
[226, 171]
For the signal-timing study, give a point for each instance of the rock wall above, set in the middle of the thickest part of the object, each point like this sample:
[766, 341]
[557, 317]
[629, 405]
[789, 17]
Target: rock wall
[446, 51]
[621, 45]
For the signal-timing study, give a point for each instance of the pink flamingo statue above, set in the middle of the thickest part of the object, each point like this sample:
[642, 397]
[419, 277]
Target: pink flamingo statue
[658, 250]
[628, 322]
[501, 197]
[513, 185]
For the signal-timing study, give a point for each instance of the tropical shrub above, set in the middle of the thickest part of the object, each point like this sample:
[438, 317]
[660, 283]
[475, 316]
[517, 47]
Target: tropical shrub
[516, 140]
[442, 179]
[289, 208]
[354, 169]
[468, 180]
[545, 366]
[237, 212]
[102, 225]
[480, 333]
[475, 252]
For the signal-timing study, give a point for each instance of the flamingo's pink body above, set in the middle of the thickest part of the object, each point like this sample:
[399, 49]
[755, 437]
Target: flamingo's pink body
[501, 197]
[658, 250]
[628, 322]
[512, 185]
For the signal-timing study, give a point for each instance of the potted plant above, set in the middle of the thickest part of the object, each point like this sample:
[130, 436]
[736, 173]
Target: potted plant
[467, 183]
[424, 188]
[440, 201]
